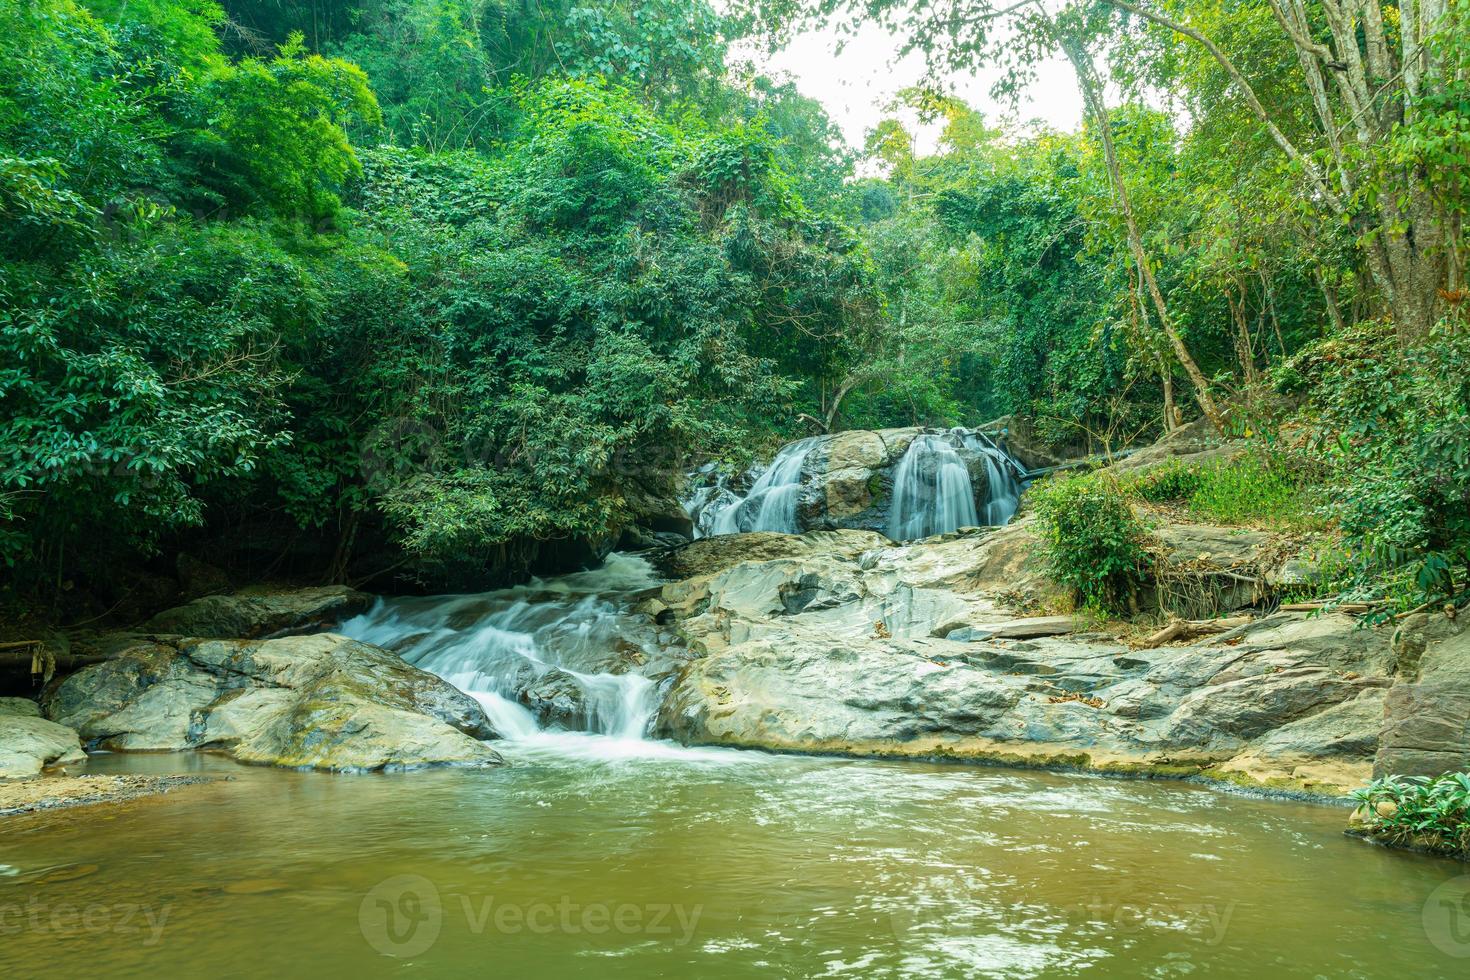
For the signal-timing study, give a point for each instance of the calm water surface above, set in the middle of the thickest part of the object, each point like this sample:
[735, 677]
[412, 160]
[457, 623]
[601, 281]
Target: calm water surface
[594, 856]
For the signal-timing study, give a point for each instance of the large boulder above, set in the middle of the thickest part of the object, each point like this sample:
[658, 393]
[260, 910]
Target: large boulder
[904, 652]
[312, 702]
[1426, 720]
[30, 744]
[248, 615]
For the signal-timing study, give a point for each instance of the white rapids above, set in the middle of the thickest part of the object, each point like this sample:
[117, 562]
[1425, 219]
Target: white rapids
[496, 646]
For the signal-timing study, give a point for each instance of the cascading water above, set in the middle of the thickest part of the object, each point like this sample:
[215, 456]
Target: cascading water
[931, 491]
[569, 632]
[708, 496]
[1003, 478]
[771, 503]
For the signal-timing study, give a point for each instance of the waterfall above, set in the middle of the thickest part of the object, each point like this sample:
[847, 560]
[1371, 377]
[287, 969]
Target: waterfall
[498, 646]
[1003, 479]
[931, 491]
[708, 496]
[772, 501]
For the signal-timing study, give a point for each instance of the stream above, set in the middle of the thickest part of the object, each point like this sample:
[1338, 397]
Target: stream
[601, 851]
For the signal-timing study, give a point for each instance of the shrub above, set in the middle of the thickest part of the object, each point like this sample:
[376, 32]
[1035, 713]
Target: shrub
[1392, 428]
[1415, 809]
[1173, 480]
[1094, 543]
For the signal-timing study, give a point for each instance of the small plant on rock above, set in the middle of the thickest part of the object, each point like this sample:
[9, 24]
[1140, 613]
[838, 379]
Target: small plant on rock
[1432, 813]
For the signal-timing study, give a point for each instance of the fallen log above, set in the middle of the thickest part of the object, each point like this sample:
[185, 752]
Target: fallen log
[1188, 629]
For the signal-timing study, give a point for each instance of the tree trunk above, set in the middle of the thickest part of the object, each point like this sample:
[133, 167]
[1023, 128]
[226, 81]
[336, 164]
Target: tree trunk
[1092, 97]
[1406, 234]
[1171, 413]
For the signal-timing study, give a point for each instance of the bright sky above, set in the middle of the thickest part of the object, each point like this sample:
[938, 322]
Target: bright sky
[858, 85]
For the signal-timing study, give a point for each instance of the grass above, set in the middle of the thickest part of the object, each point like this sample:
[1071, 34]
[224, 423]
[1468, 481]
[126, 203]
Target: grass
[1249, 490]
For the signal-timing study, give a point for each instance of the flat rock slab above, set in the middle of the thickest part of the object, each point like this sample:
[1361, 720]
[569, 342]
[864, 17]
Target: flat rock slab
[1029, 628]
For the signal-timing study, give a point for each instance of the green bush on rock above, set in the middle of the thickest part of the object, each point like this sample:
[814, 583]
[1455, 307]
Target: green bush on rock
[1094, 543]
[1418, 811]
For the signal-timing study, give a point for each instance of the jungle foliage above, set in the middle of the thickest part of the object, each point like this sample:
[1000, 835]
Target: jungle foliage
[444, 289]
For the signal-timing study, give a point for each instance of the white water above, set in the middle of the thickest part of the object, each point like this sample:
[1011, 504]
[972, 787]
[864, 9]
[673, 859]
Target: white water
[497, 645]
[708, 496]
[931, 491]
[1003, 480]
[771, 503]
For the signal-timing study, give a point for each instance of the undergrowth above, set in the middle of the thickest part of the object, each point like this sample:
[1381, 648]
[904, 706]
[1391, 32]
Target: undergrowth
[1433, 813]
[1251, 489]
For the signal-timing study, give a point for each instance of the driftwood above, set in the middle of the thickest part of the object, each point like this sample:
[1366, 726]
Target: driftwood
[35, 658]
[1188, 629]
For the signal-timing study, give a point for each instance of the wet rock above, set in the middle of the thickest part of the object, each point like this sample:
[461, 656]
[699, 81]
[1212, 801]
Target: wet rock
[30, 744]
[250, 615]
[708, 556]
[557, 699]
[317, 702]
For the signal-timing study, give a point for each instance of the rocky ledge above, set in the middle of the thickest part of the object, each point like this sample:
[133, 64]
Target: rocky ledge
[311, 702]
[29, 744]
[917, 651]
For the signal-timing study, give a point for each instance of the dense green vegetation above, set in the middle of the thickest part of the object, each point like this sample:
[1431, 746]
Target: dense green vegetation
[1419, 811]
[452, 289]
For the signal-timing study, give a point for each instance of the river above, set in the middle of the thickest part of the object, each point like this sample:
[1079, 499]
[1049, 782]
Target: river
[604, 852]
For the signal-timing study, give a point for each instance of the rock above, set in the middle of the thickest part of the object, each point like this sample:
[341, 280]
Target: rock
[1194, 443]
[861, 655]
[1426, 719]
[24, 707]
[708, 556]
[849, 468]
[1012, 629]
[637, 538]
[30, 743]
[1223, 547]
[312, 702]
[557, 699]
[249, 615]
